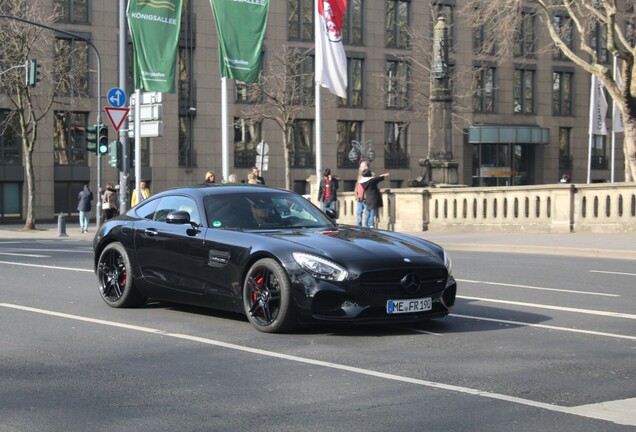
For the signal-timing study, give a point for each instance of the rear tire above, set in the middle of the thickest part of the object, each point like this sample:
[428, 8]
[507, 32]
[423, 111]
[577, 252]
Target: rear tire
[114, 278]
[267, 297]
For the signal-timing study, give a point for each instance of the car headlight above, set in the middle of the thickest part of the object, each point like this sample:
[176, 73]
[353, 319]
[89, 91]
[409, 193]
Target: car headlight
[320, 267]
[448, 263]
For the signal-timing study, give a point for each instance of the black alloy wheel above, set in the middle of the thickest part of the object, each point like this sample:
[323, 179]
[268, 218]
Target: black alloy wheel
[114, 276]
[267, 297]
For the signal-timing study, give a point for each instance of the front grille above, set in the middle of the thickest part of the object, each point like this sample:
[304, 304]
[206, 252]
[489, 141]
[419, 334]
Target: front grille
[404, 283]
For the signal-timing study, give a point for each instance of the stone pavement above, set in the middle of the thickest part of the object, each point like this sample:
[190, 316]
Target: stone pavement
[617, 246]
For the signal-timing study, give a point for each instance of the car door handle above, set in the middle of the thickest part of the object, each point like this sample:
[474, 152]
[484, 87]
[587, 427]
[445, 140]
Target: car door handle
[151, 232]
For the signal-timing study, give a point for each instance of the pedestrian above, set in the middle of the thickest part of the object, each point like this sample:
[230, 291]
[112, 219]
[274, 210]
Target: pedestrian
[565, 179]
[145, 193]
[232, 178]
[210, 177]
[327, 191]
[257, 176]
[84, 205]
[372, 195]
[109, 202]
[362, 207]
[251, 178]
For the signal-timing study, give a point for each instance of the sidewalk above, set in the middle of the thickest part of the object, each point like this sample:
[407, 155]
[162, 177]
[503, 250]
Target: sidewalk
[617, 246]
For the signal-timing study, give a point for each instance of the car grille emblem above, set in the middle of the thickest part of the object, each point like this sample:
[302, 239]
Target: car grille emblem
[411, 283]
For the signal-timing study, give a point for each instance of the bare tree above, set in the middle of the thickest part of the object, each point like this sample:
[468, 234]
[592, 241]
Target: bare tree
[283, 92]
[596, 27]
[21, 42]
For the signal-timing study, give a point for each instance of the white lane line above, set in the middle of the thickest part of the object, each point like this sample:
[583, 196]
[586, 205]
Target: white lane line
[25, 255]
[613, 272]
[538, 288]
[619, 419]
[83, 251]
[559, 308]
[610, 409]
[548, 327]
[46, 266]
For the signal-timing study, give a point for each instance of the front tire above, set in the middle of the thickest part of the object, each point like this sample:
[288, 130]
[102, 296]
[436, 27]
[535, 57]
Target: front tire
[267, 297]
[114, 278]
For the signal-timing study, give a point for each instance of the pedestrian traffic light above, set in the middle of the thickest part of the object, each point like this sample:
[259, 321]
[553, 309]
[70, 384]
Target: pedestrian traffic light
[113, 152]
[32, 73]
[91, 138]
[102, 139]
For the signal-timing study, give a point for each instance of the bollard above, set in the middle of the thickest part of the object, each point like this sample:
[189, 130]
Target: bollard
[61, 225]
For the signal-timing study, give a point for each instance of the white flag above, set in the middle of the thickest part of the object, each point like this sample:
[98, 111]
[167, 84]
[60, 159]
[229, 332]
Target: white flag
[618, 125]
[331, 60]
[598, 108]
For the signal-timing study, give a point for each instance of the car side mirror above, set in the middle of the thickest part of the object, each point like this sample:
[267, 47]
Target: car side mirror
[333, 214]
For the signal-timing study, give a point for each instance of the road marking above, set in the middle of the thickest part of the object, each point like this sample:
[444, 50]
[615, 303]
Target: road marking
[559, 308]
[25, 255]
[613, 272]
[538, 288]
[543, 326]
[83, 250]
[46, 266]
[609, 414]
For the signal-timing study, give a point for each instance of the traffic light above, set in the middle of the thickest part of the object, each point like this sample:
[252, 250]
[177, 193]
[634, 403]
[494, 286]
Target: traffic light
[91, 138]
[32, 73]
[114, 153]
[102, 139]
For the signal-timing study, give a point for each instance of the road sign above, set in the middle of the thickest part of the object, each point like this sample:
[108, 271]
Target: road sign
[116, 97]
[262, 162]
[262, 148]
[117, 116]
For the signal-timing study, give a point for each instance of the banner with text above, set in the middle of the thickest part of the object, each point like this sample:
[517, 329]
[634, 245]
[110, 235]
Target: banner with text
[241, 27]
[154, 27]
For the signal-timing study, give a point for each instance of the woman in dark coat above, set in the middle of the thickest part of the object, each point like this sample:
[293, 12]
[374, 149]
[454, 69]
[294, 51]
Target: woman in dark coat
[372, 195]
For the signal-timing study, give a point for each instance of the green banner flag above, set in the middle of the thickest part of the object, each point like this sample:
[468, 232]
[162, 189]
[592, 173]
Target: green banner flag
[241, 27]
[154, 27]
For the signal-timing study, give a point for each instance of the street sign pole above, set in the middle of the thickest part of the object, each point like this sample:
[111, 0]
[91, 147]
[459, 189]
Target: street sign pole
[123, 132]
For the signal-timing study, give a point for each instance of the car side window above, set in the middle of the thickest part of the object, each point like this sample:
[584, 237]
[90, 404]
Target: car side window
[176, 203]
[147, 209]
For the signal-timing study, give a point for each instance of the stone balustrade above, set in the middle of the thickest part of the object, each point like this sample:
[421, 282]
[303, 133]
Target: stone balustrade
[602, 207]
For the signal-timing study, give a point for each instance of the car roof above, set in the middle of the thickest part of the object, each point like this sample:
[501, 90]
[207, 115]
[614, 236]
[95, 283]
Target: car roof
[225, 188]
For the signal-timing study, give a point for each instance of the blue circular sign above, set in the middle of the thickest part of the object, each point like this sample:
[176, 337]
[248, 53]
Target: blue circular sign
[116, 97]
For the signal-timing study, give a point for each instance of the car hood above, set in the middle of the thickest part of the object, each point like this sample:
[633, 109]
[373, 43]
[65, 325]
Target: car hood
[352, 244]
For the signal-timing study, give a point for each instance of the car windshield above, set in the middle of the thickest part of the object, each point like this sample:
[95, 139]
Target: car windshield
[263, 211]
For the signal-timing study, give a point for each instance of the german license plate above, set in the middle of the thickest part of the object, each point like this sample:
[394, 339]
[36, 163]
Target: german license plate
[409, 306]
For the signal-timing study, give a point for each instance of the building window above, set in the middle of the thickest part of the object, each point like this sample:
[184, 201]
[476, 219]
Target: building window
[397, 77]
[72, 64]
[69, 138]
[247, 134]
[525, 36]
[484, 40]
[565, 157]
[355, 67]
[247, 92]
[187, 108]
[346, 133]
[72, 11]
[300, 16]
[352, 23]
[484, 87]
[562, 93]
[598, 41]
[10, 142]
[398, 13]
[301, 74]
[523, 91]
[599, 153]
[300, 139]
[563, 27]
[396, 145]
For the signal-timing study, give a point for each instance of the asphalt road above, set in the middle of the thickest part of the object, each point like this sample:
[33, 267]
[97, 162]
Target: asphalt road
[535, 343]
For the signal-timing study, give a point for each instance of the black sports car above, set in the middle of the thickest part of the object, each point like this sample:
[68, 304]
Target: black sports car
[271, 254]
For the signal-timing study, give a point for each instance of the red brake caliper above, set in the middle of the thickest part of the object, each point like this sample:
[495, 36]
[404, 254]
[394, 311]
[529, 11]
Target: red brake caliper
[257, 285]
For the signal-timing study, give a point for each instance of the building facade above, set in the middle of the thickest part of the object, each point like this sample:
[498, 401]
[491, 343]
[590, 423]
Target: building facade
[520, 120]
